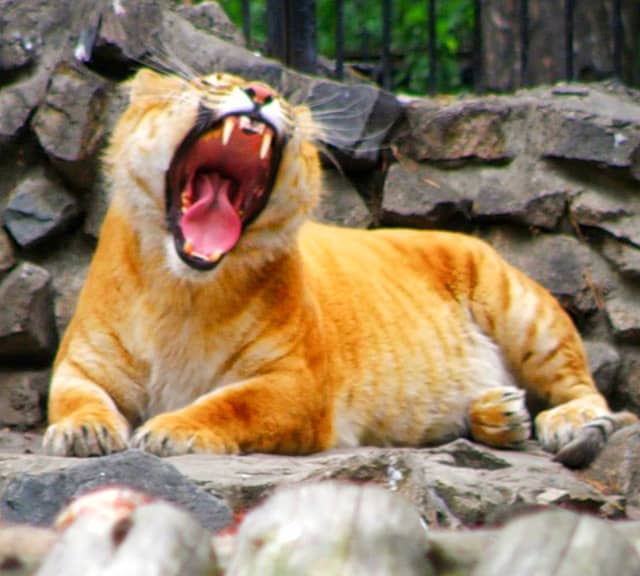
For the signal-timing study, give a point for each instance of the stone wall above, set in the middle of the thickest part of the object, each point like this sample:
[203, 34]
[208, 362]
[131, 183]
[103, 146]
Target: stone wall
[550, 176]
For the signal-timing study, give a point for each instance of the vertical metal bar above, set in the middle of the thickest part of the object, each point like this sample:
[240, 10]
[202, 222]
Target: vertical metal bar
[568, 27]
[276, 29]
[524, 41]
[246, 21]
[386, 45]
[477, 45]
[291, 29]
[618, 37]
[433, 48]
[302, 32]
[340, 39]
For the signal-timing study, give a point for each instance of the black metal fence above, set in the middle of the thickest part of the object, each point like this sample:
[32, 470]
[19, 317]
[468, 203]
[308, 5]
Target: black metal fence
[291, 37]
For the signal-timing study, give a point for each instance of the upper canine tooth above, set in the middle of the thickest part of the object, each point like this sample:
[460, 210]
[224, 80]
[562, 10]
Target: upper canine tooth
[266, 144]
[227, 129]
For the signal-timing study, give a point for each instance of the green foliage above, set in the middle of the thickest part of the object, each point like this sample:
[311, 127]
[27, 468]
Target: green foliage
[363, 37]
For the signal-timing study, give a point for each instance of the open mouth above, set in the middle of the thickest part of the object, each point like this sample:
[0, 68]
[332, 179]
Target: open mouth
[219, 181]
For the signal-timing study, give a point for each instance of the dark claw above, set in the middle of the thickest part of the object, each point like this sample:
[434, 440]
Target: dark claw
[102, 437]
[583, 449]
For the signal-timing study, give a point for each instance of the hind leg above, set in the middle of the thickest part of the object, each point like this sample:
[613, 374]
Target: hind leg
[499, 417]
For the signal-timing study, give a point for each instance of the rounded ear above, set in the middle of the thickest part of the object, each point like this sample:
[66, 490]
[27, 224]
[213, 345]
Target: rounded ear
[149, 84]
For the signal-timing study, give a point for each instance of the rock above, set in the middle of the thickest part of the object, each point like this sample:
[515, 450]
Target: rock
[18, 103]
[610, 207]
[559, 543]
[341, 203]
[69, 124]
[42, 33]
[331, 528]
[414, 196]
[37, 498]
[625, 257]
[211, 18]
[568, 268]
[604, 362]
[156, 538]
[27, 328]
[22, 548]
[457, 484]
[573, 133]
[7, 259]
[623, 313]
[473, 129]
[454, 485]
[23, 398]
[428, 196]
[68, 273]
[627, 392]
[454, 552]
[39, 209]
[618, 467]
[13, 441]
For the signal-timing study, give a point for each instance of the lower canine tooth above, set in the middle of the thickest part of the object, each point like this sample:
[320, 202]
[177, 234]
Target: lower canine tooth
[215, 256]
[188, 247]
[227, 129]
[266, 144]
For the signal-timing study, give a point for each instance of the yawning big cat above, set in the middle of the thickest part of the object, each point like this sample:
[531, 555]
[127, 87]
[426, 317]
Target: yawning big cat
[216, 317]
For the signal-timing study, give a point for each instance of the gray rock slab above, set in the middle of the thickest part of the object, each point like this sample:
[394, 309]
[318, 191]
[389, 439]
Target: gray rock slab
[445, 130]
[211, 17]
[458, 484]
[332, 528]
[559, 543]
[614, 209]
[605, 363]
[37, 497]
[572, 271]
[341, 203]
[607, 134]
[27, 325]
[623, 311]
[426, 195]
[625, 257]
[67, 262]
[618, 466]
[23, 398]
[39, 209]
[69, 124]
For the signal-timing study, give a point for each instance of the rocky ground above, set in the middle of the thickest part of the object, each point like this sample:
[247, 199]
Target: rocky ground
[550, 176]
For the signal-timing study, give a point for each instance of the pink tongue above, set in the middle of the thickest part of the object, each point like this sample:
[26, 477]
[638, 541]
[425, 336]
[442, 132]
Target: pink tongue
[211, 224]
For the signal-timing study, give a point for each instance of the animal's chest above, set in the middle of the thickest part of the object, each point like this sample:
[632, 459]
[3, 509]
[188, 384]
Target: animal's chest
[188, 358]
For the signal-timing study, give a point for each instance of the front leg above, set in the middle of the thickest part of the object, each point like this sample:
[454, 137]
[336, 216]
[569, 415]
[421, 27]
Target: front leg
[84, 420]
[279, 413]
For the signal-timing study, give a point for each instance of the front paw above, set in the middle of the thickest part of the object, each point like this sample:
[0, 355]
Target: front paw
[171, 434]
[87, 435]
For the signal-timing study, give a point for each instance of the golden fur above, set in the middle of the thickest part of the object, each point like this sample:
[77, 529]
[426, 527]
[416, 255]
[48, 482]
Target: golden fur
[305, 336]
